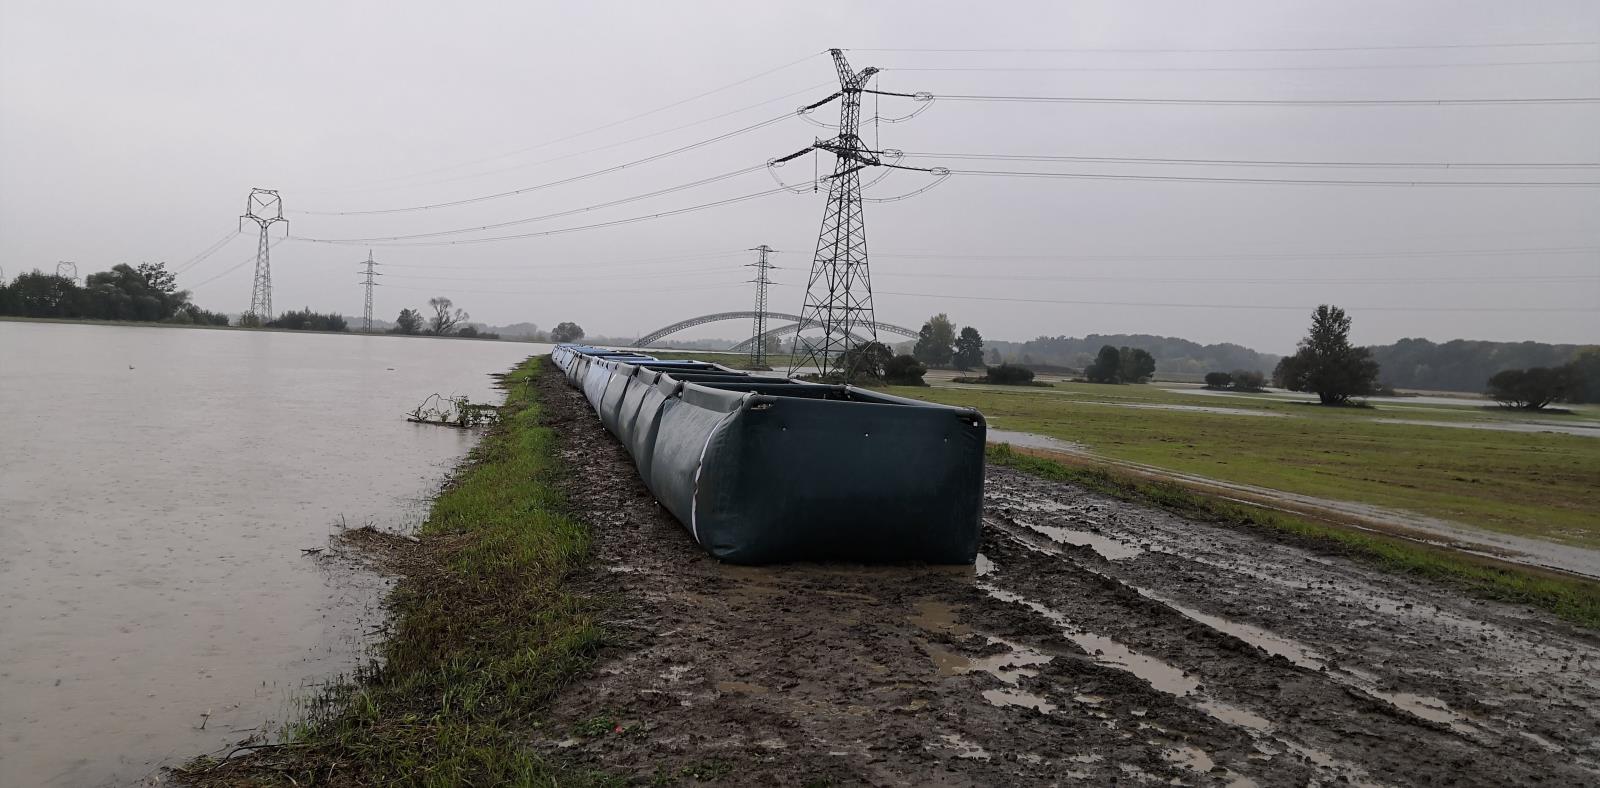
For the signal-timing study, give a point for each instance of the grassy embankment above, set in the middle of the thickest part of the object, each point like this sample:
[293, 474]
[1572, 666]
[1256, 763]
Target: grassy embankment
[484, 633]
[1541, 485]
[1573, 599]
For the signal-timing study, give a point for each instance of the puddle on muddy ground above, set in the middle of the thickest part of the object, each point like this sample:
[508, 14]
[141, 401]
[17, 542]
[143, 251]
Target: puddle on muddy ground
[1030, 440]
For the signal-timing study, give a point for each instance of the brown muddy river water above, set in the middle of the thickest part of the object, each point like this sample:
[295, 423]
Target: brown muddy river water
[157, 489]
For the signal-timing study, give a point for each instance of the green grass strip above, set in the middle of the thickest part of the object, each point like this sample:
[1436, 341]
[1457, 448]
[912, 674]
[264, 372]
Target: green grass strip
[1573, 599]
[485, 633]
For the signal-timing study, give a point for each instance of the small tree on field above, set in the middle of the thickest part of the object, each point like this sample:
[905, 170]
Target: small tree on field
[864, 363]
[1009, 375]
[1135, 365]
[566, 332]
[969, 349]
[1326, 363]
[1530, 389]
[444, 320]
[1218, 380]
[1106, 368]
[1247, 380]
[936, 341]
[409, 321]
[904, 370]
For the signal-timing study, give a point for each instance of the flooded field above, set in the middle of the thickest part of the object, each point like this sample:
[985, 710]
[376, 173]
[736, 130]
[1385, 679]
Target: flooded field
[163, 493]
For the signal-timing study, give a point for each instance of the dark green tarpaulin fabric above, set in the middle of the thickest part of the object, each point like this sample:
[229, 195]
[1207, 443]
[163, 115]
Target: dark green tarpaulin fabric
[766, 470]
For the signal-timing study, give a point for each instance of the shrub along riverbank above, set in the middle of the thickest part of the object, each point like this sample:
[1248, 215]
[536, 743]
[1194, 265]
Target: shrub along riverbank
[484, 633]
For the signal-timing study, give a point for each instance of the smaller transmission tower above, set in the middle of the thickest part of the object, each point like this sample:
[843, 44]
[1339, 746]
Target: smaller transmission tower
[758, 349]
[366, 315]
[265, 208]
[67, 269]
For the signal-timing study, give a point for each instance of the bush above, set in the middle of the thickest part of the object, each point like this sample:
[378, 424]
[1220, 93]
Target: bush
[1107, 367]
[1247, 380]
[1219, 380]
[1009, 375]
[904, 370]
[1529, 389]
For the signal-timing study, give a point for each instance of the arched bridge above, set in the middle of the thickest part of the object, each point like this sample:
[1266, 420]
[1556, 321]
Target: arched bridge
[774, 333]
[645, 340]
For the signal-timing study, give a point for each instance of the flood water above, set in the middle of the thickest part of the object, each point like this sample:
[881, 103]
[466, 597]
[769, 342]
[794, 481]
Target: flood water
[157, 489]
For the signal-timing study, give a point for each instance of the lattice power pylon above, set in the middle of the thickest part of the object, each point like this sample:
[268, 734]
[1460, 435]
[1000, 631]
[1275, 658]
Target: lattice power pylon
[839, 289]
[265, 208]
[758, 349]
[366, 314]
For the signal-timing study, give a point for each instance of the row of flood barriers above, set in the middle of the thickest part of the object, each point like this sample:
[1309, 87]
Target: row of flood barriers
[762, 469]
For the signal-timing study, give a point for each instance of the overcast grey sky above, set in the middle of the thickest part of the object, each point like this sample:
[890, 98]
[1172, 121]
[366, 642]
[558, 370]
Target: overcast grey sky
[133, 132]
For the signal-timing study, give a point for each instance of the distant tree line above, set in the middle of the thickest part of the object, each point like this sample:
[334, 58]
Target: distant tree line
[1461, 364]
[1533, 388]
[307, 320]
[446, 320]
[1176, 356]
[1237, 380]
[145, 293]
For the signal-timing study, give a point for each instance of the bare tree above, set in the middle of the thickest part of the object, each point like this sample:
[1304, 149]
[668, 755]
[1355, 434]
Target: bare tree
[444, 320]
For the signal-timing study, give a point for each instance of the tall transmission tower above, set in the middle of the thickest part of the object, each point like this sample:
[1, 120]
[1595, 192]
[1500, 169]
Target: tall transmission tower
[366, 314]
[758, 349]
[265, 208]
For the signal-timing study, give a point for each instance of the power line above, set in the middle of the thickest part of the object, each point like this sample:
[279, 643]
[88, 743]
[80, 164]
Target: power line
[721, 269]
[605, 126]
[1265, 162]
[613, 263]
[1378, 48]
[564, 230]
[1274, 307]
[210, 250]
[1187, 69]
[1250, 255]
[563, 181]
[1271, 102]
[236, 266]
[1207, 280]
[590, 291]
[559, 214]
[1297, 181]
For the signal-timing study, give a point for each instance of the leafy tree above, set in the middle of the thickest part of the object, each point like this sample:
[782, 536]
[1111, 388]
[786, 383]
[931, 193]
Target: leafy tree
[249, 320]
[307, 320]
[1246, 380]
[191, 314]
[904, 370]
[969, 349]
[158, 277]
[1218, 380]
[864, 363]
[409, 321]
[444, 320]
[1107, 367]
[1584, 376]
[38, 294]
[936, 341]
[1009, 375]
[1530, 389]
[1136, 365]
[566, 332]
[1326, 363]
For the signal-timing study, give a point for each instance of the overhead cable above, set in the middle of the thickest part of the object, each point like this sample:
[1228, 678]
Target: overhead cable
[557, 215]
[562, 231]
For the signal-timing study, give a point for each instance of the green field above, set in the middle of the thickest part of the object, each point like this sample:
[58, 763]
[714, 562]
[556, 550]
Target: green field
[1536, 484]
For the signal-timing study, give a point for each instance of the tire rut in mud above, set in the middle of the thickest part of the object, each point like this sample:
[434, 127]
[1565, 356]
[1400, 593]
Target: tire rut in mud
[1049, 662]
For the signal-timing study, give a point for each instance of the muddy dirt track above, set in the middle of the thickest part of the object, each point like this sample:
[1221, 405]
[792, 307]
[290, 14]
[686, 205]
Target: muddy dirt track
[1096, 642]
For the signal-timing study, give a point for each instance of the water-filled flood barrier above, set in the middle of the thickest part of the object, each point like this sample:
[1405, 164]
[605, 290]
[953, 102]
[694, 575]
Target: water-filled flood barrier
[765, 470]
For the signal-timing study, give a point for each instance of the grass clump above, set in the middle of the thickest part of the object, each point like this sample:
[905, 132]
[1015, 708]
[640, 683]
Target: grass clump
[1574, 599]
[485, 633]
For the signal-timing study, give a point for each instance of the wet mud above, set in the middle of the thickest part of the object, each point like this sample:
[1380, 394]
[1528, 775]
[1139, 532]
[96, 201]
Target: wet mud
[1095, 641]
